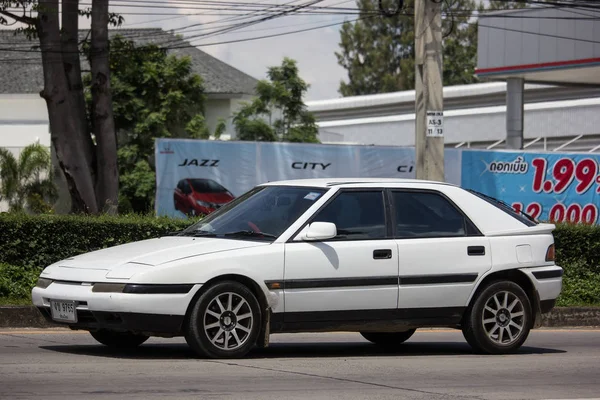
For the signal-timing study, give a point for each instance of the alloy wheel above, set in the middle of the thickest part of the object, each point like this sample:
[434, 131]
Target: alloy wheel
[503, 318]
[228, 321]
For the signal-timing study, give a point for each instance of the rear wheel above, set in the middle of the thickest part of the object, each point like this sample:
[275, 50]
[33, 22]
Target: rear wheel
[118, 340]
[499, 320]
[388, 339]
[224, 322]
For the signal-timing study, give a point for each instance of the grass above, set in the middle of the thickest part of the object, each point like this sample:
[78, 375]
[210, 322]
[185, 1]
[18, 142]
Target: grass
[4, 301]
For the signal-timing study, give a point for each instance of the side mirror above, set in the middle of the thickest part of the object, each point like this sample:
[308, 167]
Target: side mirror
[320, 231]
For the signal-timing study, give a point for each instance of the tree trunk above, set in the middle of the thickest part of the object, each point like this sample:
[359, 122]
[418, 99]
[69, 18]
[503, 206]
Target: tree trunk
[72, 67]
[66, 140]
[107, 181]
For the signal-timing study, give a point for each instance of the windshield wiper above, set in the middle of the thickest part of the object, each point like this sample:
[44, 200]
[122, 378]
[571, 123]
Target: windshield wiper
[198, 234]
[250, 233]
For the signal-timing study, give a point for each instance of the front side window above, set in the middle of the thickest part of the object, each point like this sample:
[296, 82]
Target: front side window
[357, 215]
[207, 186]
[426, 214]
[263, 213]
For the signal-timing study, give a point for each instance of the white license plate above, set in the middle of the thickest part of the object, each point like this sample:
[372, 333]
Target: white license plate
[63, 311]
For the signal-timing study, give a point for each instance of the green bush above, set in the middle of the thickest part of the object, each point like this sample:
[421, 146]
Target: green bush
[16, 282]
[578, 252]
[38, 241]
[30, 243]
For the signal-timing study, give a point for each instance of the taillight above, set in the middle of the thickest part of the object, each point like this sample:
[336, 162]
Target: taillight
[550, 253]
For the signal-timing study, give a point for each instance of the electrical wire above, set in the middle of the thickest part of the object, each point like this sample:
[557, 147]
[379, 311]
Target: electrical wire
[231, 28]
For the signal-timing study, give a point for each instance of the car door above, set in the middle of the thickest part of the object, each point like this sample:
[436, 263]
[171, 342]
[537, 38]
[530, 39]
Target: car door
[349, 276]
[178, 197]
[441, 253]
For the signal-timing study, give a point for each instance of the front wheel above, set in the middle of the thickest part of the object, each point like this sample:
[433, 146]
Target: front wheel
[118, 340]
[224, 322]
[388, 339]
[499, 320]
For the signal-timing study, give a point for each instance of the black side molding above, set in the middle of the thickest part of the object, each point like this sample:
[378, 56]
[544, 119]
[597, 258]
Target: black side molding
[476, 250]
[437, 279]
[556, 273]
[157, 289]
[370, 281]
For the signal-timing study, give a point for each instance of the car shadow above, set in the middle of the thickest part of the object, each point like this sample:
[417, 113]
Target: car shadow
[179, 351]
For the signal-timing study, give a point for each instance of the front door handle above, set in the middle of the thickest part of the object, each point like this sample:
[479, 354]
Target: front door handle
[476, 250]
[383, 254]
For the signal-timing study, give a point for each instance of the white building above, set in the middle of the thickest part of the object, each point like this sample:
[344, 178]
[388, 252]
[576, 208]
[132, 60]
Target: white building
[556, 118]
[23, 114]
[547, 57]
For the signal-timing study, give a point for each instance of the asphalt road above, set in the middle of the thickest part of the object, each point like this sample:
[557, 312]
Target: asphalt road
[553, 364]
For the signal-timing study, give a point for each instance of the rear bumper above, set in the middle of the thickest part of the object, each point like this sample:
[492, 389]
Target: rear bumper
[547, 282]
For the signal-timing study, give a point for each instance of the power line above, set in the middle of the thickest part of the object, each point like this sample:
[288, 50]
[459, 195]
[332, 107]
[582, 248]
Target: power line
[231, 28]
[205, 44]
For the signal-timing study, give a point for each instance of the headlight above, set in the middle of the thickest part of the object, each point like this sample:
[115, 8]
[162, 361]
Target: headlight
[43, 283]
[203, 203]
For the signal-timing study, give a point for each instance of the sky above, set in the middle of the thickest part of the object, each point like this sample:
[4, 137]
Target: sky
[313, 50]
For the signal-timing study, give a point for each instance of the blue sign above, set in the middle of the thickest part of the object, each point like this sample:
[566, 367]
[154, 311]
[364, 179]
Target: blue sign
[196, 177]
[555, 187]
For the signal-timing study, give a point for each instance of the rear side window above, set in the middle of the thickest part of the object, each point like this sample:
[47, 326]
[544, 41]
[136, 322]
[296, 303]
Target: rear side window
[522, 216]
[428, 214]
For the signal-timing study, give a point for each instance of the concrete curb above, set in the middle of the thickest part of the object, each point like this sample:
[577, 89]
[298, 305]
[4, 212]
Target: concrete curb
[23, 317]
[559, 317]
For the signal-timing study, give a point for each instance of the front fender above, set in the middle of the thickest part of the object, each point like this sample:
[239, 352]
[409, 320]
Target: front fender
[260, 264]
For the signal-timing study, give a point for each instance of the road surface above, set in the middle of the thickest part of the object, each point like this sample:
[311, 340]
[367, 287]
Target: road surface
[434, 364]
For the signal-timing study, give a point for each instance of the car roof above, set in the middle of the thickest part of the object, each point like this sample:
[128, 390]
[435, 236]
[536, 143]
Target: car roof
[350, 182]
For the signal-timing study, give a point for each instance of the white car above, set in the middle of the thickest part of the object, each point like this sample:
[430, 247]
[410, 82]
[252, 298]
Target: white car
[381, 257]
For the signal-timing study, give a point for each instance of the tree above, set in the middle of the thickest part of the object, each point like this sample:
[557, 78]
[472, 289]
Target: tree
[26, 183]
[153, 95]
[378, 51]
[278, 113]
[88, 162]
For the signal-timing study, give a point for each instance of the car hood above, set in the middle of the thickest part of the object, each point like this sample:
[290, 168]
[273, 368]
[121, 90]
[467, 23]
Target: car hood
[153, 252]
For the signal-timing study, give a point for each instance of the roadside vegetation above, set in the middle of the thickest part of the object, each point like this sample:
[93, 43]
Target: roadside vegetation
[28, 243]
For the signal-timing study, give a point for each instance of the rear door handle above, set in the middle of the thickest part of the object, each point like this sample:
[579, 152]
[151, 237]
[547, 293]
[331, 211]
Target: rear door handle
[476, 250]
[382, 254]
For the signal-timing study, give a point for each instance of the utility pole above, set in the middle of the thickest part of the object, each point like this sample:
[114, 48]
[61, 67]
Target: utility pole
[429, 99]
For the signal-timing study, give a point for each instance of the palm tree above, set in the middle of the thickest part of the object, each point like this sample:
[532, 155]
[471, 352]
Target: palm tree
[26, 183]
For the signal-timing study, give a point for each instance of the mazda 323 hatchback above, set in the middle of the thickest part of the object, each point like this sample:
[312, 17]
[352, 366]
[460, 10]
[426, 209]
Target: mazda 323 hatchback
[377, 256]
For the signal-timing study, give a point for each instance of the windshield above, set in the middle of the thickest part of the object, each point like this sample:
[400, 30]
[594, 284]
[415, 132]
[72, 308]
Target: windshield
[206, 186]
[262, 213]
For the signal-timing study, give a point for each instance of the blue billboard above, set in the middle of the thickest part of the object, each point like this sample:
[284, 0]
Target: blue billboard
[196, 177]
[556, 187]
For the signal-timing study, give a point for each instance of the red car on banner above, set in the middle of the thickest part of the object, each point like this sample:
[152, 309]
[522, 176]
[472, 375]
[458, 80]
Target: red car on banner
[200, 196]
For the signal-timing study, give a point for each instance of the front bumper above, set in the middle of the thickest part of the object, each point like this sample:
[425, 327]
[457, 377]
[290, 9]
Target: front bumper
[155, 314]
[149, 324]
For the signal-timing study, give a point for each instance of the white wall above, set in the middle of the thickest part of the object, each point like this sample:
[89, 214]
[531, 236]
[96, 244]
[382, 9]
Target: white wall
[23, 121]
[217, 107]
[550, 119]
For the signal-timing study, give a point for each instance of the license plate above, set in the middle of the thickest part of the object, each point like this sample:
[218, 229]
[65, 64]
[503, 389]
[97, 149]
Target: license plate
[63, 311]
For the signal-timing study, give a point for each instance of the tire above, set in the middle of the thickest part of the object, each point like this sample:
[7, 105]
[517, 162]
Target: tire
[388, 339]
[215, 330]
[504, 325]
[118, 340]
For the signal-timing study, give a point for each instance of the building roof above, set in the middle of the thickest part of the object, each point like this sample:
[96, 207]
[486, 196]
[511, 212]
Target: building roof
[21, 72]
[459, 97]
